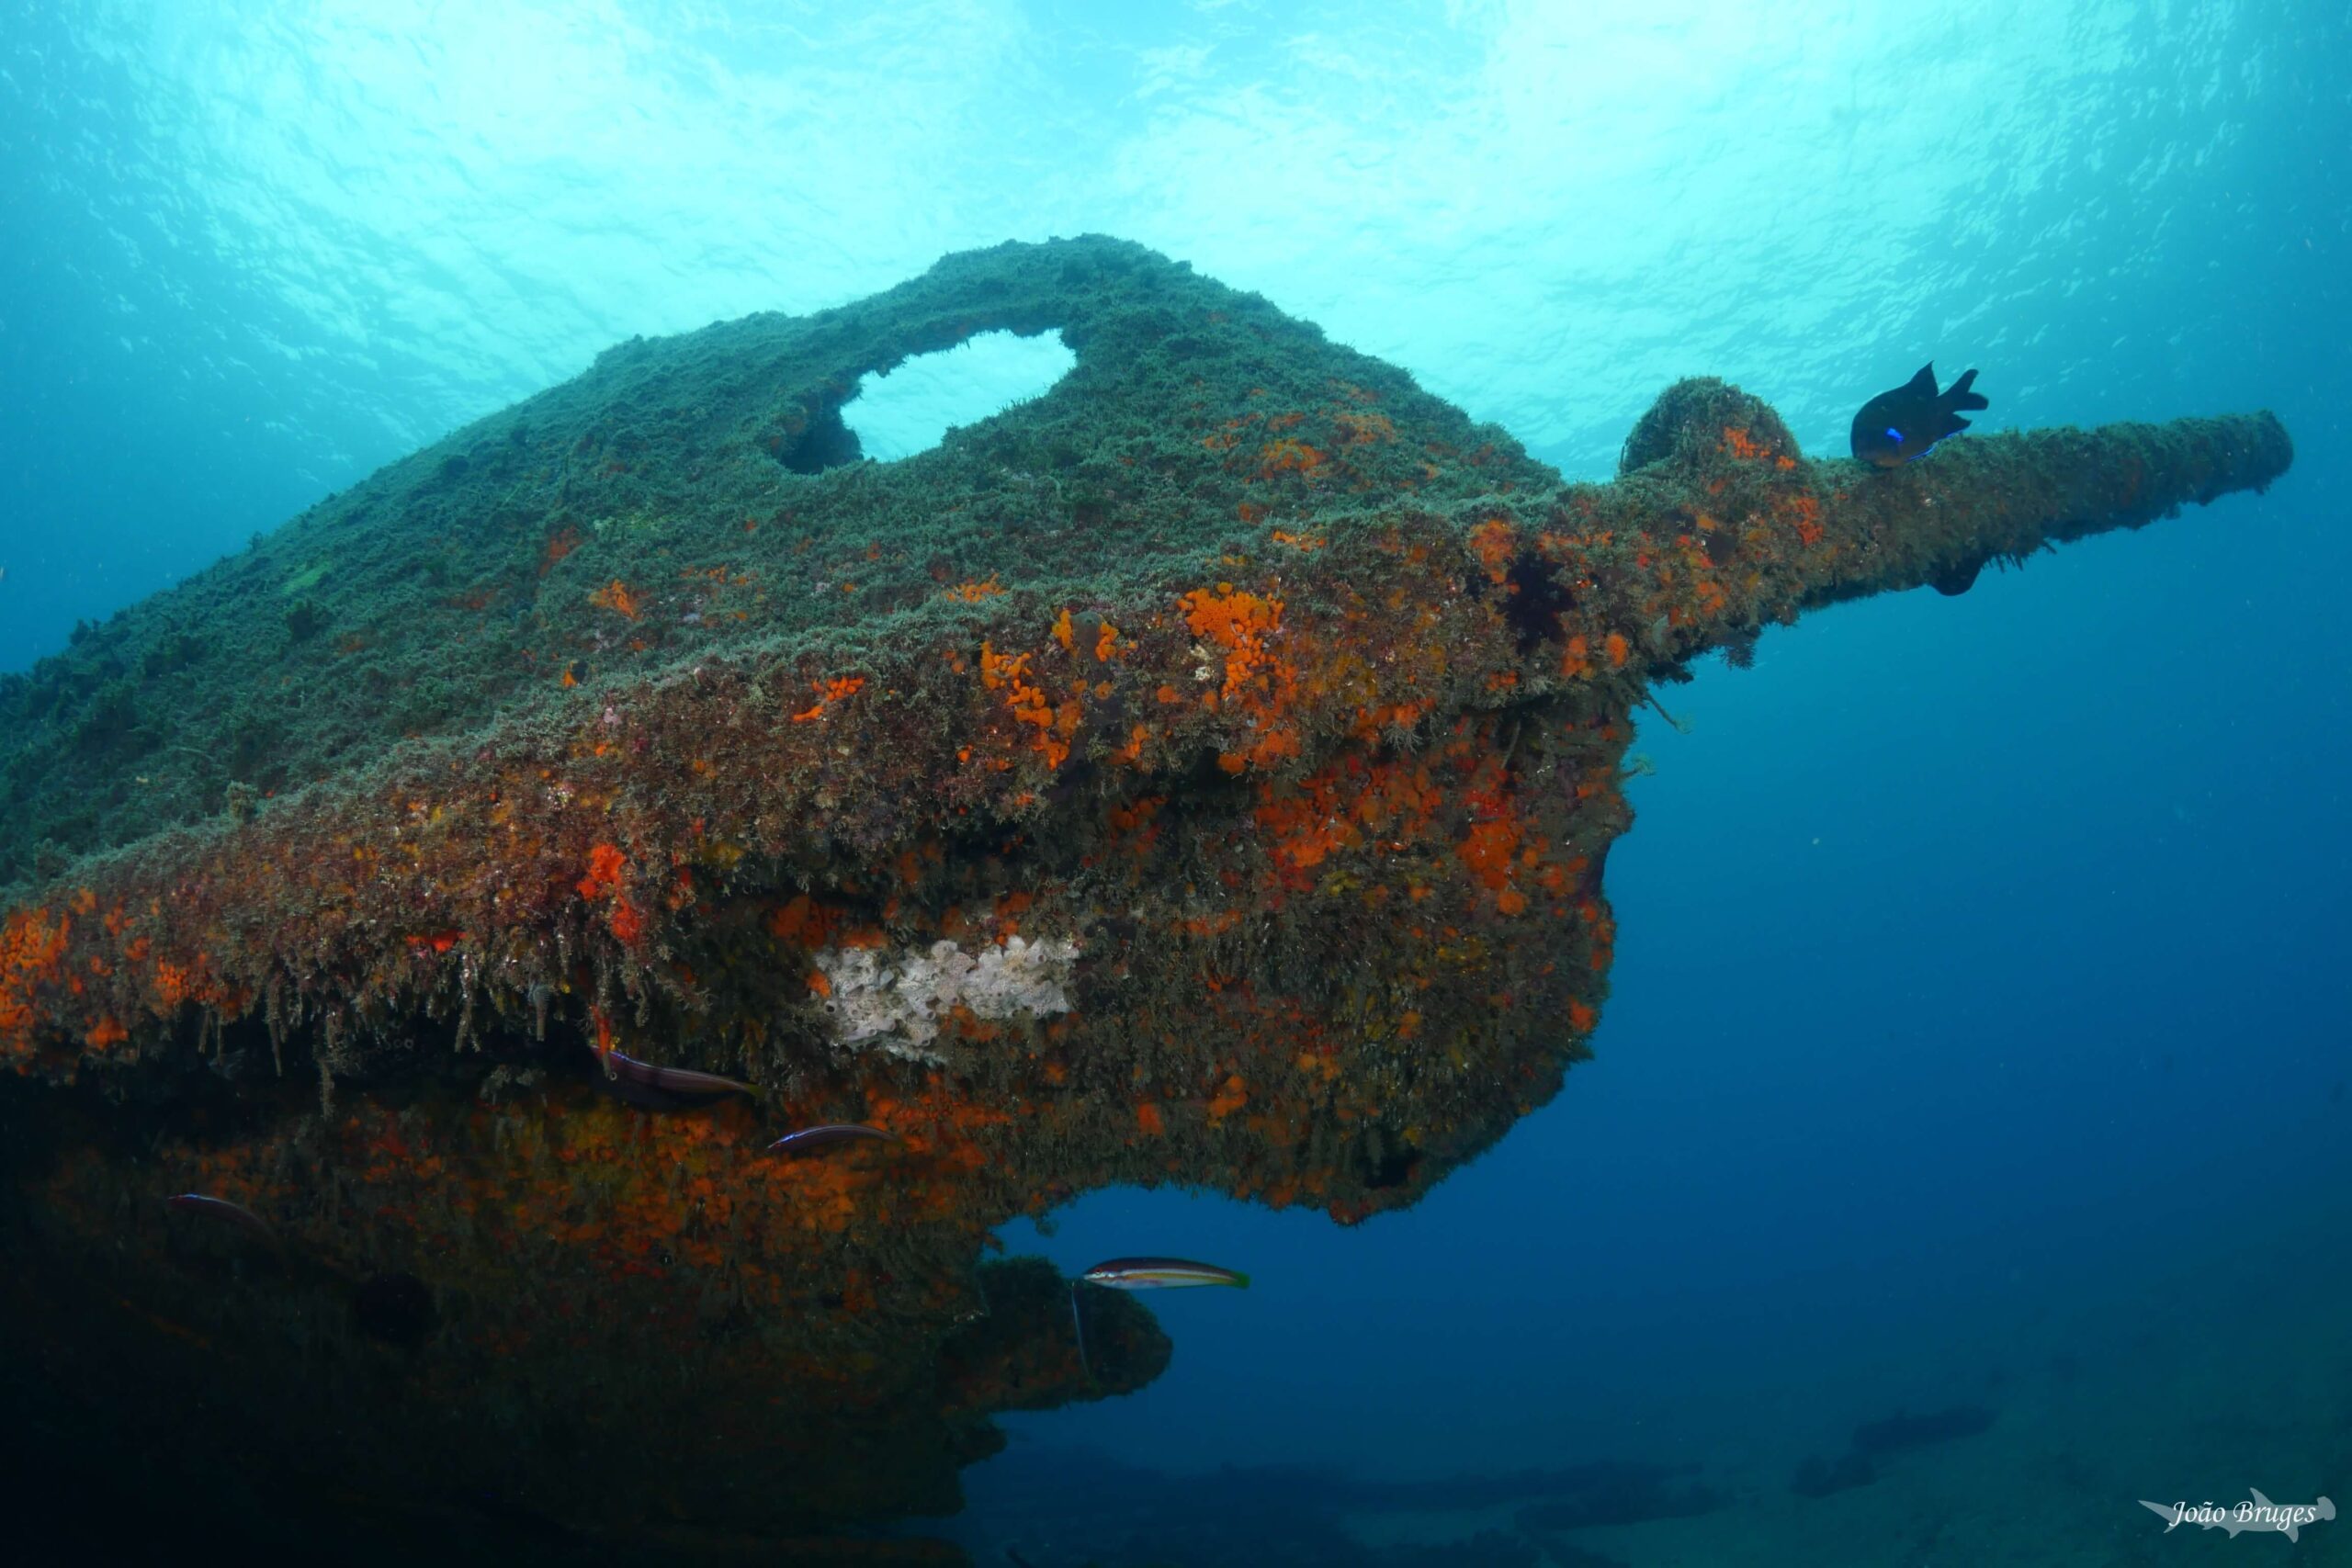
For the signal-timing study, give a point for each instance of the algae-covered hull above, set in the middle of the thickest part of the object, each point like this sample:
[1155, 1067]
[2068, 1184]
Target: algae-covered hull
[1200, 773]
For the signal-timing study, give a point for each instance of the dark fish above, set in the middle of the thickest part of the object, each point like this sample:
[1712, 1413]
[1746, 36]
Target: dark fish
[1896, 427]
[226, 1213]
[663, 1088]
[811, 1140]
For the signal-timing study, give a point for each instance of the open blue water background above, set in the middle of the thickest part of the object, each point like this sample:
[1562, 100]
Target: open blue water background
[1984, 995]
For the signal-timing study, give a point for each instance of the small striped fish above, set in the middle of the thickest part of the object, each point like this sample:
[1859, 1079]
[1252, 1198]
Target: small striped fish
[222, 1211]
[654, 1088]
[810, 1139]
[1144, 1274]
[1159, 1274]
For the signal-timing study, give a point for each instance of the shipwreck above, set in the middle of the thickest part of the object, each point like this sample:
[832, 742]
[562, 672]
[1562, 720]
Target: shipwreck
[1201, 774]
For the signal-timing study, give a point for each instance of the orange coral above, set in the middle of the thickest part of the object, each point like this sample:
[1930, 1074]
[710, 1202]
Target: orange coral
[1258, 679]
[627, 921]
[614, 596]
[1494, 542]
[1343, 806]
[606, 864]
[1238, 621]
[1228, 436]
[804, 922]
[32, 950]
[31, 944]
[828, 694]
[995, 669]
[1028, 704]
[1489, 850]
[1231, 1096]
[1287, 456]
[1804, 515]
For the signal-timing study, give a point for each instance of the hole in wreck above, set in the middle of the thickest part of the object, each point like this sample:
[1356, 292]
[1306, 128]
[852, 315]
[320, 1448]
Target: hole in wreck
[825, 443]
[914, 407]
[1536, 604]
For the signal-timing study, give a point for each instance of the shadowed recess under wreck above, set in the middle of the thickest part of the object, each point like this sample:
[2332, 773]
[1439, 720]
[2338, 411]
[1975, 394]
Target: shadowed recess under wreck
[1200, 773]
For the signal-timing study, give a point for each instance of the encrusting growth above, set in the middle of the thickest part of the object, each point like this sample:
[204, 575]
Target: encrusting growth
[1204, 773]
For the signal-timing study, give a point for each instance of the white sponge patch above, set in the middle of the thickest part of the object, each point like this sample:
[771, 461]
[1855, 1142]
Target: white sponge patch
[894, 999]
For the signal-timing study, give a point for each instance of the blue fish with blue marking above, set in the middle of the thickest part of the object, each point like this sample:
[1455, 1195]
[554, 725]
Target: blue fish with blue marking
[1900, 426]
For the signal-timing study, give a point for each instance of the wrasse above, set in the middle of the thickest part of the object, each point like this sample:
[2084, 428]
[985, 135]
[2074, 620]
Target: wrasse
[1159, 1274]
[663, 1088]
[225, 1212]
[1144, 1274]
[811, 1140]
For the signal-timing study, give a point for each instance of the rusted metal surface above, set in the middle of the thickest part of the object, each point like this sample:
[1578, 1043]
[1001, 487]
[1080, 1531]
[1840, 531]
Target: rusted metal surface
[1201, 774]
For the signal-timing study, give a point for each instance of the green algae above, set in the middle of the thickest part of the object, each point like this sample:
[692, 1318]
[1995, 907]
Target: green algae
[462, 584]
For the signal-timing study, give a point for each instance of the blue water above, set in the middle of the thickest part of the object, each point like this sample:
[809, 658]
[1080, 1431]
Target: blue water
[1980, 1014]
